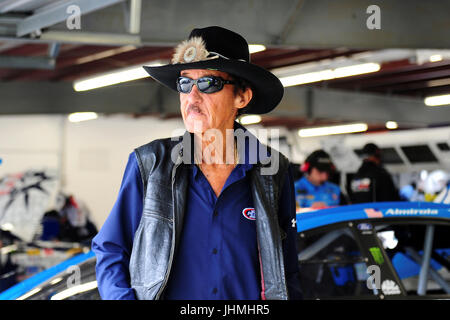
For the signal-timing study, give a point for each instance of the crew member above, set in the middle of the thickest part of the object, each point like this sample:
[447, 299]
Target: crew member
[314, 190]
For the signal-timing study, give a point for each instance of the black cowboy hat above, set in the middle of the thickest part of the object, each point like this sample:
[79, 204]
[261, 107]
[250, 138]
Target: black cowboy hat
[227, 51]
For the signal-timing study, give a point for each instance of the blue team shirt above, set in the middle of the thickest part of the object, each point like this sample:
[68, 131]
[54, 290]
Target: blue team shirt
[217, 257]
[306, 193]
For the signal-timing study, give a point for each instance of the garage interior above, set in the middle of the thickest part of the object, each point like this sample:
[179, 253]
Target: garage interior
[49, 49]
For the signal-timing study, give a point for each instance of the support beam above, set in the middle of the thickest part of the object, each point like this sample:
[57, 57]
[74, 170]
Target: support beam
[142, 96]
[59, 97]
[53, 50]
[317, 24]
[433, 273]
[11, 5]
[135, 16]
[425, 266]
[91, 38]
[27, 62]
[341, 105]
[56, 13]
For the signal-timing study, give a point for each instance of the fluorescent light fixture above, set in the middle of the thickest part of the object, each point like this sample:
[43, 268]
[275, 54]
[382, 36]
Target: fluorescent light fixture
[328, 74]
[339, 129]
[437, 100]
[307, 78]
[82, 116]
[115, 77]
[253, 48]
[435, 58]
[29, 294]
[391, 125]
[250, 119]
[7, 226]
[356, 69]
[74, 290]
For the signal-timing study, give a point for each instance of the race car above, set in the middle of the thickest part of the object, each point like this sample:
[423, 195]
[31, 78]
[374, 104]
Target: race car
[391, 250]
[386, 250]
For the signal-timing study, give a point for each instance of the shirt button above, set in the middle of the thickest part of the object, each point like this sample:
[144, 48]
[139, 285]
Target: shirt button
[214, 251]
[214, 290]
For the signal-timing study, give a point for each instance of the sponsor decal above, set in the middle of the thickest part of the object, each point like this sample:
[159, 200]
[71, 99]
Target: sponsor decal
[411, 212]
[364, 226]
[249, 213]
[361, 185]
[377, 255]
[390, 288]
[373, 213]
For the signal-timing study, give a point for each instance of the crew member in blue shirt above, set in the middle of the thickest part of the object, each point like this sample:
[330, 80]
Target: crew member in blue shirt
[314, 190]
[219, 227]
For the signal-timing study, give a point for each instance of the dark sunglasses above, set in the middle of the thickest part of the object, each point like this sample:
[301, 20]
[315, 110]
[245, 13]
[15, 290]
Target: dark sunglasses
[208, 84]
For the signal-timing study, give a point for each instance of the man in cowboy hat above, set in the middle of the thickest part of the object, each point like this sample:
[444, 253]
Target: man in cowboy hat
[197, 218]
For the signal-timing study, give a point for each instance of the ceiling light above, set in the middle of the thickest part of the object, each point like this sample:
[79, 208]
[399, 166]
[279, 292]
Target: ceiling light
[250, 119]
[7, 227]
[82, 116]
[339, 129]
[115, 77]
[328, 74]
[253, 48]
[307, 78]
[391, 125]
[437, 100]
[356, 69]
[435, 58]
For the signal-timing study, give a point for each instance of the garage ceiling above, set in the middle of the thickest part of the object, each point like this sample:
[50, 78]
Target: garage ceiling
[40, 56]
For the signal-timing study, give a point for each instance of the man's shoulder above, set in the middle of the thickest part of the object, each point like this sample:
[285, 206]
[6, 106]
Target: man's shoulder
[333, 186]
[302, 183]
[156, 156]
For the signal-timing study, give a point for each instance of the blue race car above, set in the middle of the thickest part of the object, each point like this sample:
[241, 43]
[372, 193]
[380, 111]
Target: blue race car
[385, 250]
[392, 250]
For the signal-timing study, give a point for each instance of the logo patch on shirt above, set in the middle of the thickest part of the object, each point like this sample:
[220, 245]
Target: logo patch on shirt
[249, 213]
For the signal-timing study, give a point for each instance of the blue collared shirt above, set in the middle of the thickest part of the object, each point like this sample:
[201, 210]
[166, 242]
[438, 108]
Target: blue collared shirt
[217, 257]
[218, 254]
[306, 193]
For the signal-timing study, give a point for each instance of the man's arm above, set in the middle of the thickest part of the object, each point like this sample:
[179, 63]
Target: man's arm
[287, 218]
[113, 244]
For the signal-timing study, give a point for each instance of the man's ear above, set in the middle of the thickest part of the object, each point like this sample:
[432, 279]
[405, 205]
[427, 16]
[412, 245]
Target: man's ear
[243, 98]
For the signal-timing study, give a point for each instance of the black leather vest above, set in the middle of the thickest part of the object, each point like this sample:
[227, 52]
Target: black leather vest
[164, 175]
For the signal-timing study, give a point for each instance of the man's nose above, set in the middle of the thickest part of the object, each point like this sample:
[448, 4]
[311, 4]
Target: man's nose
[195, 94]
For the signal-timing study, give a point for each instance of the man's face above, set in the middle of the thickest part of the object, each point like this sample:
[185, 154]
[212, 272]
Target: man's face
[317, 177]
[203, 111]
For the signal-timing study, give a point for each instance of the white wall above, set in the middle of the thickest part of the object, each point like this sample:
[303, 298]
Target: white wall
[28, 142]
[96, 154]
[91, 156]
